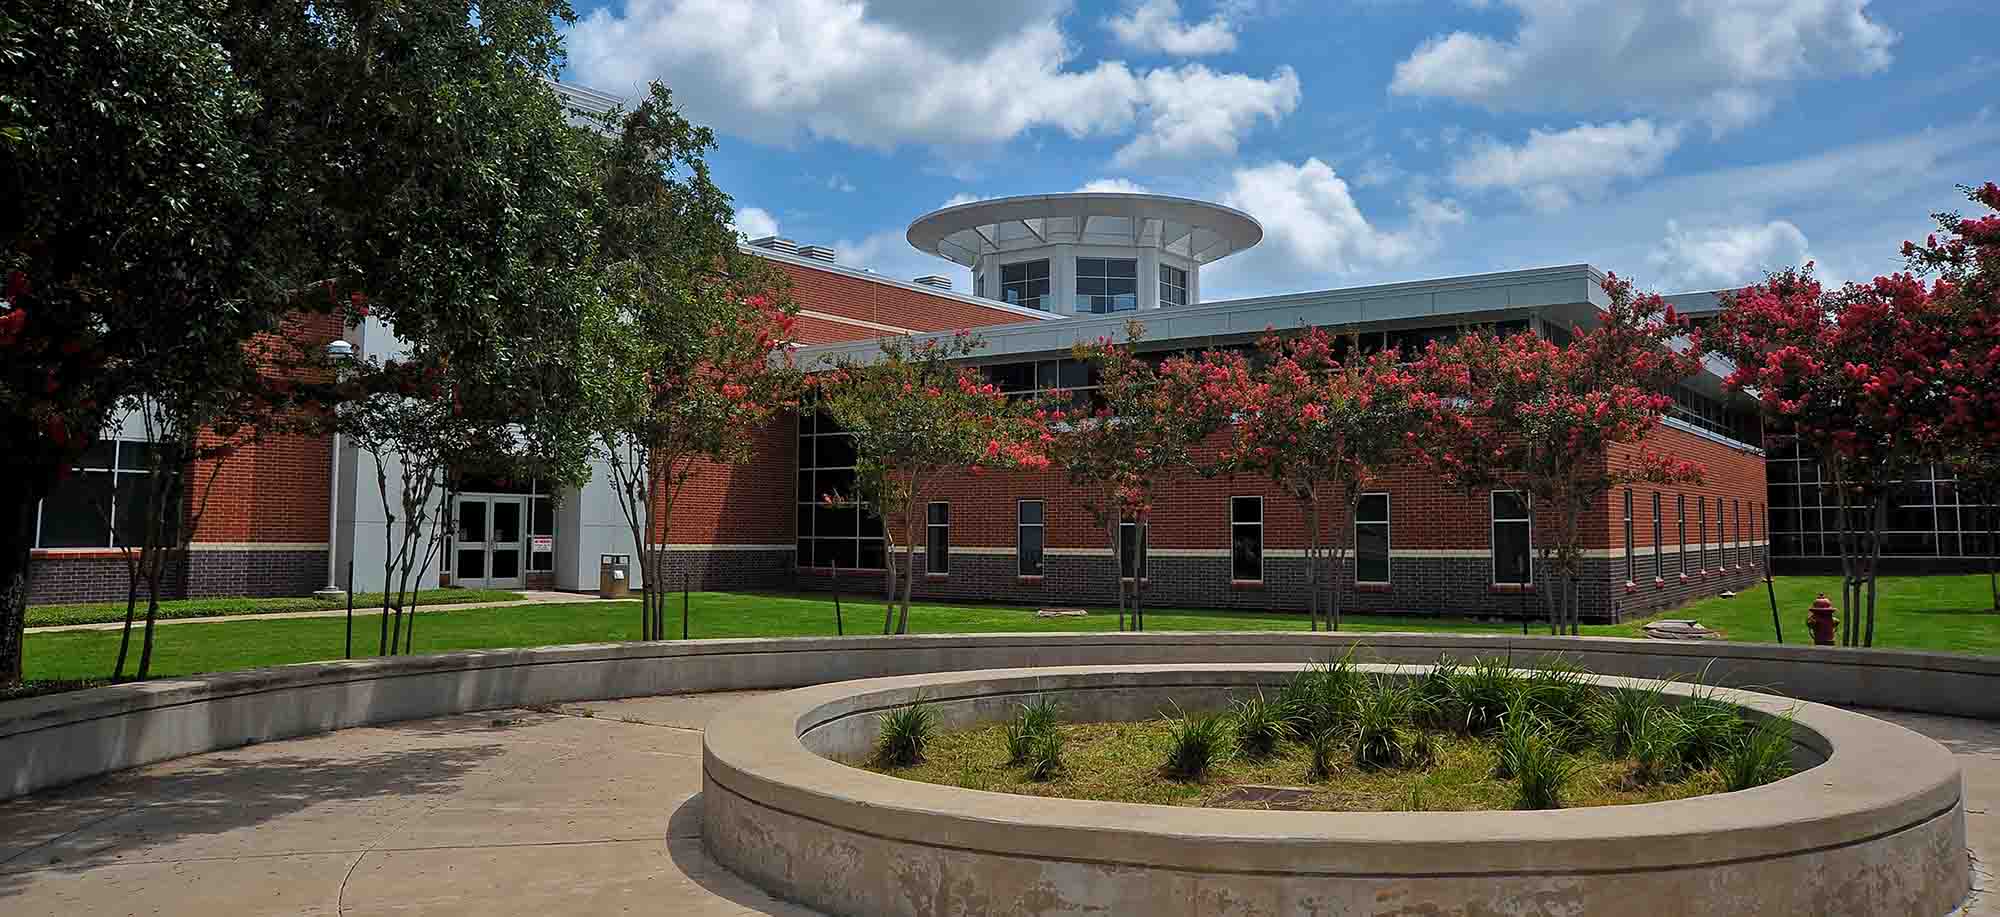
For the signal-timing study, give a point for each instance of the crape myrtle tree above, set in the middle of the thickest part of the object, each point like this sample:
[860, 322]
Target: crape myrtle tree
[1523, 411]
[918, 415]
[1878, 379]
[1148, 421]
[1321, 428]
[690, 340]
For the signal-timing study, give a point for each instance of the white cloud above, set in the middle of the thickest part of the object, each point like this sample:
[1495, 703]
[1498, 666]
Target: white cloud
[1155, 25]
[1726, 256]
[754, 222]
[1114, 186]
[1313, 226]
[840, 183]
[1720, 60]
[962, 197]
[884, 75]
[1554, 168]
[1196, 111]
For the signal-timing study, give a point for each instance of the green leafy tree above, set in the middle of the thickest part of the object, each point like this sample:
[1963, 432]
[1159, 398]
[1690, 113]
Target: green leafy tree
[918, 415]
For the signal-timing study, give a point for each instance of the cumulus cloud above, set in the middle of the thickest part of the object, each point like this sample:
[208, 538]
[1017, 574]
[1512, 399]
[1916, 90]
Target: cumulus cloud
[754, 222]
[1551, 169]
[883, 75]
[962, 197]
[1720, 60]
[1726, 256]
[1114, 185]
[1196, 111]
[1156, 25]
[1313, 226]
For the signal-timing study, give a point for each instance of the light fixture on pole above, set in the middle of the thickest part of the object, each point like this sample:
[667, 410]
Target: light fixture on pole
[336, 351]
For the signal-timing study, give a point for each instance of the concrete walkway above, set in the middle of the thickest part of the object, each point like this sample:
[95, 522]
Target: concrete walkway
[583, 809]
[528, 597]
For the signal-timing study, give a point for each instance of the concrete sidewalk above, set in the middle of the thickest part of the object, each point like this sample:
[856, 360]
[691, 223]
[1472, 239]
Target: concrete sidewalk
[530, 597]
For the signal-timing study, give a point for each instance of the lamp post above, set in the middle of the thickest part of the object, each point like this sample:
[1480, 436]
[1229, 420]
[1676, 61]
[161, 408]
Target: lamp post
[336, 351]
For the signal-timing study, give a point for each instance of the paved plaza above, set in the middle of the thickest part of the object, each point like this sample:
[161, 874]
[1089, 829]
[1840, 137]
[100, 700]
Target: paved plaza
[586, 808]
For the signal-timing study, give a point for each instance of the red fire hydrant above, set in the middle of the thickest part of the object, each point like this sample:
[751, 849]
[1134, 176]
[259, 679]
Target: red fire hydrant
[1821, 621]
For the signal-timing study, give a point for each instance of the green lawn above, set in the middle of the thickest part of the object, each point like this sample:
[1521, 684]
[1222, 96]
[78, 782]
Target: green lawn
[1946, 613]
[100, 612]
[1951, 613]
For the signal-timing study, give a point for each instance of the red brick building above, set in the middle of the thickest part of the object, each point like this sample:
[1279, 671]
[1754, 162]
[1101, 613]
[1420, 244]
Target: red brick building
[1048, 271]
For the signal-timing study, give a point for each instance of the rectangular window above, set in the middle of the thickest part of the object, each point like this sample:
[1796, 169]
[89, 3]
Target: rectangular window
[103, 503]
[1128, 548]
[1681, 506]
[1246, 539]
[1721, 534]
[541, 525]
[1028, 538]
[937, 549]
[842, 534]
[1701, 511]
[1107, 285]
[1371, 539]
[1630, 571]
[1173, 286]
[1026, 283]
[1513, 537]
[1659, 539]
[1742, 547]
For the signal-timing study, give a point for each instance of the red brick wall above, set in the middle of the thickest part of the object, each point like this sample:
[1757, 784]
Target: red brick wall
[276, 489]
[742, 504]
[873, 301]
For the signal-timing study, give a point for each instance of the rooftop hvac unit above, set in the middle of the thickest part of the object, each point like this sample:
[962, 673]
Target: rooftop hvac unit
[776, 244]
[816, 252]
[935, 280]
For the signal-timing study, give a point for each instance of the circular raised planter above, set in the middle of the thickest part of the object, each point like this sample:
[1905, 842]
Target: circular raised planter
[1874, 827]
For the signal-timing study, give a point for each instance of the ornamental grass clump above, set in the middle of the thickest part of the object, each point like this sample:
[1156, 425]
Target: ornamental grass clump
[1320, 697]
[1260, 725]
[1518, 726]
[1712, 728]
[1044, 756]
[1195, 743]
[1440, 707]
[1759, 757]
[1542, 771]
[1383, 718]
[1035, 718]
[1563, 697]
[905, 733]
[1326, 750]
[1481, 692]
[1618, 716]
[1656, 744]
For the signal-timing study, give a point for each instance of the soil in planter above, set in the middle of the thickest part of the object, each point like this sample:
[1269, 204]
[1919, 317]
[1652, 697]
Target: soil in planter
[1120, 762]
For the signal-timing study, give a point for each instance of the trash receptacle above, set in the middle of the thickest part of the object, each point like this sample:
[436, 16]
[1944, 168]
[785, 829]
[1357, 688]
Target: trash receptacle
[614, 576]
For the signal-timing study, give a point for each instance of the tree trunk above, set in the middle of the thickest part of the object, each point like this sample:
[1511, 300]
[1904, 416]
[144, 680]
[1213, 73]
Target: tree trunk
[1117, 527]
[131, 610]
[1993, 549]
[1312, 564]
[1881, 521]
[909, 561]
[19, 500]
[1139, 575]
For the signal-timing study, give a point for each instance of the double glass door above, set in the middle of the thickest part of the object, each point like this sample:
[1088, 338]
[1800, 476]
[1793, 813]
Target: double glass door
[489, 540]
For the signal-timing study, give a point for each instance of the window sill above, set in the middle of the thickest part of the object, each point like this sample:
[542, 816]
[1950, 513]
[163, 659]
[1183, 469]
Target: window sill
[1372, 587]
[828, 572]
[74, 553]
[1631, 586]
[1659, 583]
[936, 576]
[1247, 585]
[1511, 588]
[1031, 579]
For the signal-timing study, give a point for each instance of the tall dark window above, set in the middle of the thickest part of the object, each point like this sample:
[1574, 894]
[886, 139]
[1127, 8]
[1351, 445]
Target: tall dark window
[1371, 539]
[1107, 284]
[1513, 537]
[1742, 547]
[1681, 506]
[937, 547]
[1659, 539]
[1721, 534]
[1701, 510]
[1026, 283]
[1173, 286]
[1028, 538]
[1246, 539]
[102, 504]
[842, 533]
[1128, 548]
[1630, 571]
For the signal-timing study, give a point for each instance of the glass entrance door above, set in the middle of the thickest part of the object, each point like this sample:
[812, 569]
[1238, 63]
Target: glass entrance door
[489, 540]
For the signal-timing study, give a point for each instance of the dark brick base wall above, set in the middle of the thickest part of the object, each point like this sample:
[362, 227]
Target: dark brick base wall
[58, 578]
[738, 571]
[1420, 585]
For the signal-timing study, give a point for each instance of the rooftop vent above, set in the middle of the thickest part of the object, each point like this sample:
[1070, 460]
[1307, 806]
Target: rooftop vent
[935, 280]
[816, 252]
[776, 244]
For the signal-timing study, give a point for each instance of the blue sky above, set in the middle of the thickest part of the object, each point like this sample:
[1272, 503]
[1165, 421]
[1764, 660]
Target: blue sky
[1690, 144]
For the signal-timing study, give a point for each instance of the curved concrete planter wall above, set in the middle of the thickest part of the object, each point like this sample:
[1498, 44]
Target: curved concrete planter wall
[1877, 829]
[57, 739]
